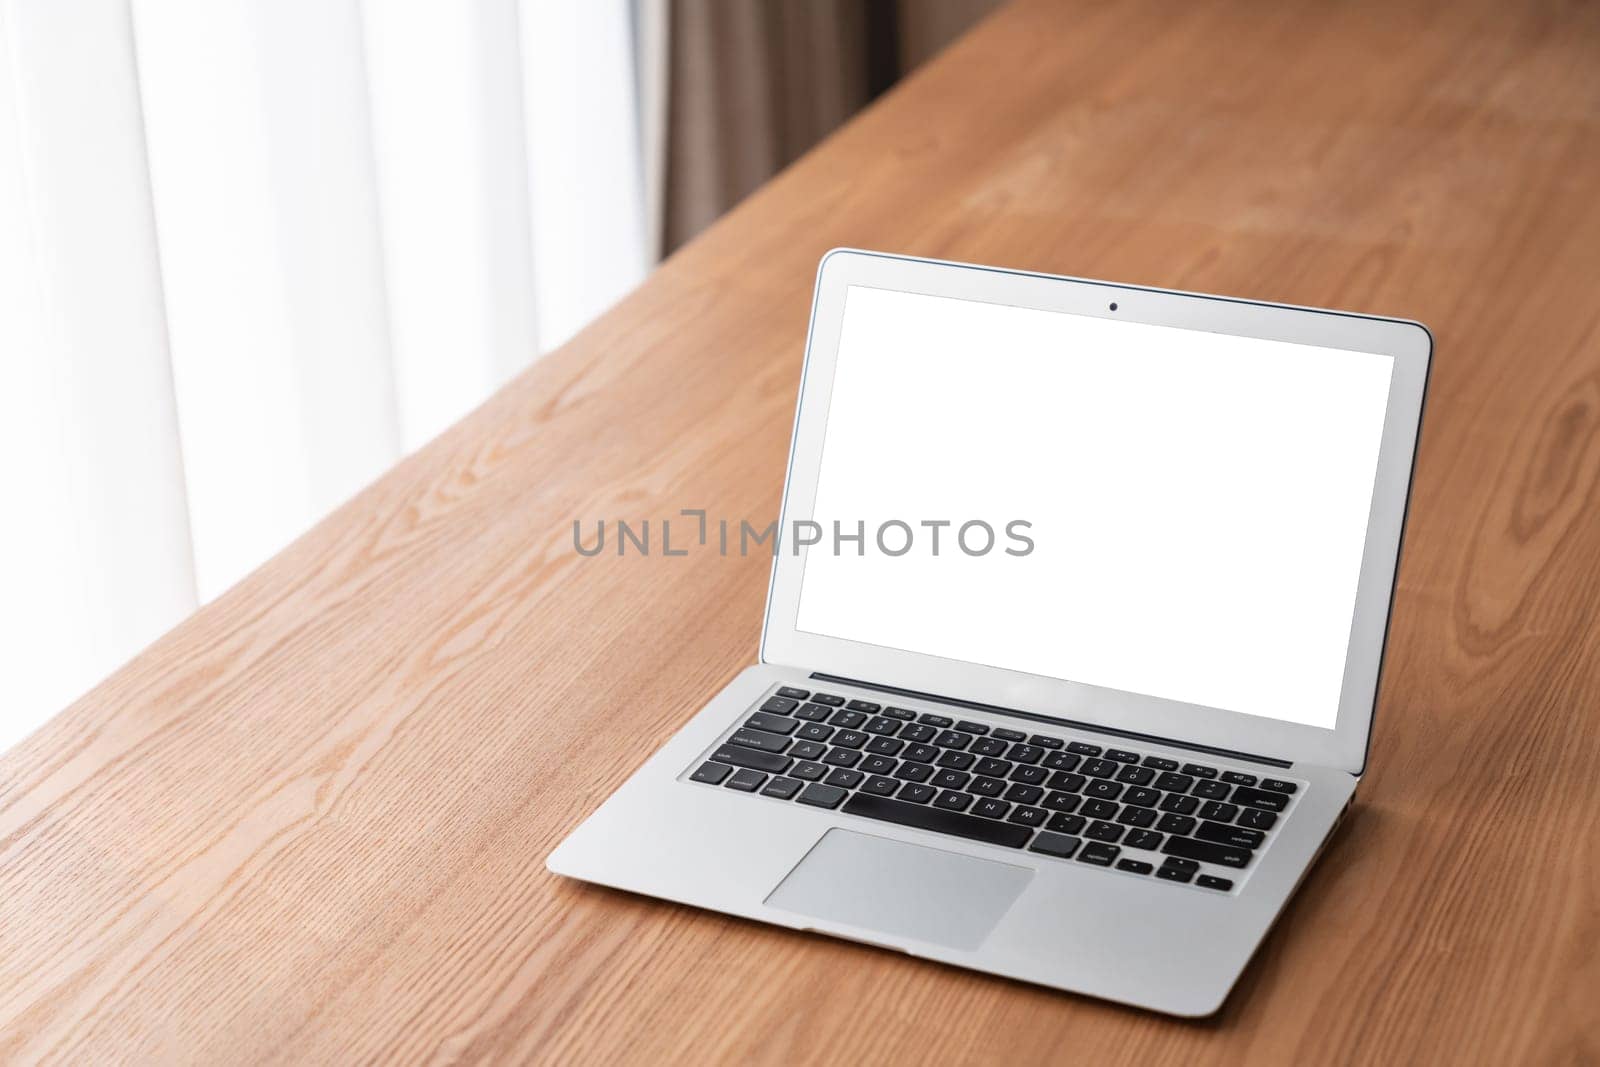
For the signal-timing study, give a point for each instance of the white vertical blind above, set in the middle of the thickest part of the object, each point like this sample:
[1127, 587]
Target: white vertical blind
[261, 165]
[355, 219]
[452, 182]
[590, 243]
[94, 542]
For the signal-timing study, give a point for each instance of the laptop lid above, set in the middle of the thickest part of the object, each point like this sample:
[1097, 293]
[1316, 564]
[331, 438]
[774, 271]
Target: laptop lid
[1168, 513]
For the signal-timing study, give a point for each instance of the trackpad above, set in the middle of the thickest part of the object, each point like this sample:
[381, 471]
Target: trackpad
[900, 888]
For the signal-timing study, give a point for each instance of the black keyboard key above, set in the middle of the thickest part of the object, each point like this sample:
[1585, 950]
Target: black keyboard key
[711, 773]
[1223, 834]
[1024, 794]
[991, 808]
[1179, 804]
[1062, 823]
[1024, 816]
[842, 757]
[850, 738]
[1135, 866]
[1211, 881]
[994, 768]
[920, 753]
[986, 787]
[914, 772]
[822, 796]
[1160, 763]
[1062, 801]
[1063, 761]
[917, 793]
[1141, 817]
[1211, 790]
[950, 779]
[1173, 874]
[848, 719]
[1256, 819]
[1174, 783]
[1199, 770]
[828, 699]
[792, 693]
[878, 765]
[1098, 853]
[900, 713]
[1067, 782]
[1144, 839]
[1238, 778]
[1217, 811]
[746, 780]
[1098, 768]
[883, 727]
[1122, 755]
[1176, 824]
[972, 727]
[918, 732]
[1025, 753]
[759, 739]
[780, 705]
[865, 705]
[814, 731]
[950, 800]
[1102, 789]
[1181, 864]
[1043, 741]
[880, 786]
[988, 746]
[1135, 775]
[1207, 852]
[1028, 775]
[808, 770]
[1139, 795]
[807, 749]
[1083, 748]
[812, 713]
[844, 778]
[953, 739]
[1278, 785]
[943, 722]
[782, 788]
[1103, 831]
[755, 759]
[958, 761]
[1260, 798]
[885, 746]
[938, 820]
[1008, 735]
[1060, 846]
[1099, 809]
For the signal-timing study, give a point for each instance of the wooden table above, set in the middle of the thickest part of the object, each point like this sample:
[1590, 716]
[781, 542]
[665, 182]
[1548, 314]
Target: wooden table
[310, 824]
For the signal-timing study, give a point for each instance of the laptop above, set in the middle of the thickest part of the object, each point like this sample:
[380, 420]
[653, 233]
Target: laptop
[1077, 611]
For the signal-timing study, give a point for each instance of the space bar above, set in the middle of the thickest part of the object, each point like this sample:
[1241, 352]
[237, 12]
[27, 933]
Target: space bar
[938, 820]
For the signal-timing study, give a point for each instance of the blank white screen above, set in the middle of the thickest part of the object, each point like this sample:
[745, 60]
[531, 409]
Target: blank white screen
[1198, 501]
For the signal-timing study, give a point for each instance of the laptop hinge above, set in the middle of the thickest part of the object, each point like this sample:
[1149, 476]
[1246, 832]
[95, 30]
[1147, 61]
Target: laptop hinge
[1033, 716]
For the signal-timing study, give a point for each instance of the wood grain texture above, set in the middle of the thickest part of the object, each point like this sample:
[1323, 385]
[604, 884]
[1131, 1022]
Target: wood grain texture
[310, 823]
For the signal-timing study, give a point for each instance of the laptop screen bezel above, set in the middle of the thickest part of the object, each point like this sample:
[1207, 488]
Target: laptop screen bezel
[1345, 745]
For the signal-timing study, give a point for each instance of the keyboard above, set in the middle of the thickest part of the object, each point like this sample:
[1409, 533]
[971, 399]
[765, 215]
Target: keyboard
[1065, 798]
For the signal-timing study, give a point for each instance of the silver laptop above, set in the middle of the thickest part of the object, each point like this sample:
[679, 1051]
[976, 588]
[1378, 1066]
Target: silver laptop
[1073, 638]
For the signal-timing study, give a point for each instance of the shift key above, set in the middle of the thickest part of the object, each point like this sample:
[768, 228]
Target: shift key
[771, 762]
[1204, 851]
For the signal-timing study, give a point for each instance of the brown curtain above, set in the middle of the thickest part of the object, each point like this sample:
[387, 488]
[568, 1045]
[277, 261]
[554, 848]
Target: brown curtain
[752, 84]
